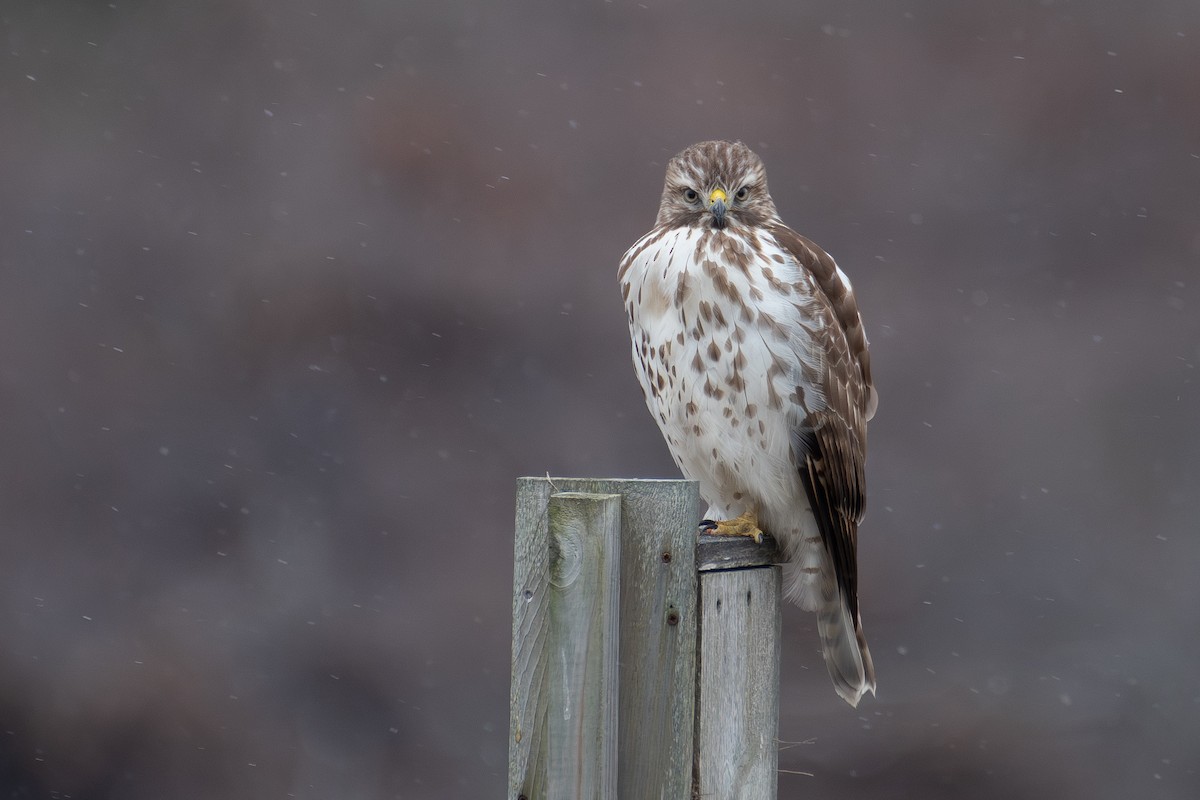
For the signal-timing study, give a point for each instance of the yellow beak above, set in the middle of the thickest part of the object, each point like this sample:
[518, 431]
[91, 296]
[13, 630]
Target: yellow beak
[716, 204]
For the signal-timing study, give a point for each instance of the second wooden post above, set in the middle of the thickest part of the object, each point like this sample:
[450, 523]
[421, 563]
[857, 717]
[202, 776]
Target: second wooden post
[737, 690]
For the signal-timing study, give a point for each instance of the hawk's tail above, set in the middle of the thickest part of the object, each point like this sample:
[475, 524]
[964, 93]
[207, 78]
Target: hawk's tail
[846, 655]
[809, 582]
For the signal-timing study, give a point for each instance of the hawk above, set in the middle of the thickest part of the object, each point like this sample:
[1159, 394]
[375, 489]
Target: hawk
[751, 354]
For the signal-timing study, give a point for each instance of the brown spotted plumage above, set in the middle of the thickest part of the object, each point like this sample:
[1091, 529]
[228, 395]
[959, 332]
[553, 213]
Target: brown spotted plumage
[751, 353]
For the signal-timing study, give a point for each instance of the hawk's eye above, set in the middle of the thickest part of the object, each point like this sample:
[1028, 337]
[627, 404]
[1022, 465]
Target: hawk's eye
[742, 193]
[690, 195]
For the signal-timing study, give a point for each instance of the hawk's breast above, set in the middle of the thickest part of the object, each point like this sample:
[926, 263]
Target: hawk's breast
[723, 356]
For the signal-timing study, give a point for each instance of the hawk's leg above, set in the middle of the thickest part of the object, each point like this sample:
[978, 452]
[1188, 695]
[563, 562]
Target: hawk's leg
[744, 525]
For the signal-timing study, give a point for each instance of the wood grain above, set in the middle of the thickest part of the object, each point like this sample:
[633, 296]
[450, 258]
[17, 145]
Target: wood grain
[737, 721]
[657, 640]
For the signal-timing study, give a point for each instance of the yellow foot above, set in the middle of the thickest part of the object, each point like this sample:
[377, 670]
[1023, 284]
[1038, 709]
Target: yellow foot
[745, 525]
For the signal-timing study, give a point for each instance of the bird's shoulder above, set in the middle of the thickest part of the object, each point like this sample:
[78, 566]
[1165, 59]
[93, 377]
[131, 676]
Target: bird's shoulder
[832, 290]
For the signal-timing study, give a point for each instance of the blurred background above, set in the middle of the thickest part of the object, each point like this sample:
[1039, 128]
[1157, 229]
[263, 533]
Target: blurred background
[291, 291]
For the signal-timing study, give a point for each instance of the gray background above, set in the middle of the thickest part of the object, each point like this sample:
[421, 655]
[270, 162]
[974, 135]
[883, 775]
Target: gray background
[291, 291]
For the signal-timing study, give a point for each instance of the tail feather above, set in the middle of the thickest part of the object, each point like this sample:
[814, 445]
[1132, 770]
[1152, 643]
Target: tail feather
[846, 654]
[809, 582]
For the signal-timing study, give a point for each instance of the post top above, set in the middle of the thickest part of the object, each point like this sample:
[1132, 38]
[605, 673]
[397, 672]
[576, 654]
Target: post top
[736, 552]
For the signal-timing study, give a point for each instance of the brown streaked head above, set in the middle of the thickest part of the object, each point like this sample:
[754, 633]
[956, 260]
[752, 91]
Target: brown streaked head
[715, 185]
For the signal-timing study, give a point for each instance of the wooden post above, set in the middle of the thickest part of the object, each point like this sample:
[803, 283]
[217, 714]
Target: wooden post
[737, 693]
[581, 684]
[686, 725]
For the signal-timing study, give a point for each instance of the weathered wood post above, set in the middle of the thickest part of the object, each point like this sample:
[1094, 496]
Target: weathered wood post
[581, 686]
[685, 725]
[737, 694]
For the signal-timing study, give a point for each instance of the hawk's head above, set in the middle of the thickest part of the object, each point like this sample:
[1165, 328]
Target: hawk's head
[715, 185]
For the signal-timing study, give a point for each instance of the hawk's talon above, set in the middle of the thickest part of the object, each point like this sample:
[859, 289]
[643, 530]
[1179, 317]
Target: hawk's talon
[744, 525]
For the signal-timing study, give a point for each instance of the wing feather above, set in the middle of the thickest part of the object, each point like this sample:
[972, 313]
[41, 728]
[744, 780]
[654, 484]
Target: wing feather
[831, 441]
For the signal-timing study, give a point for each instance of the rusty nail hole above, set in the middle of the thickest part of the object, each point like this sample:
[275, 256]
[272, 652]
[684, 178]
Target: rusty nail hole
[666, 556]
[522, 797]
[673, 617]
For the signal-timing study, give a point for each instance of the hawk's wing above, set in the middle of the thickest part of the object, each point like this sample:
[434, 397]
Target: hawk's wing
[831, 442]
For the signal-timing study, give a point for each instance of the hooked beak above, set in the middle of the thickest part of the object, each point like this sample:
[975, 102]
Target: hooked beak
[716, 204]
